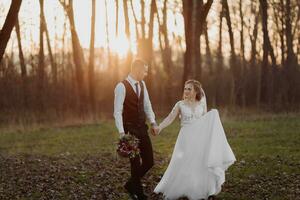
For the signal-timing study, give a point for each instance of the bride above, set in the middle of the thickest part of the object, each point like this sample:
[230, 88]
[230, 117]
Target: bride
[201, 153]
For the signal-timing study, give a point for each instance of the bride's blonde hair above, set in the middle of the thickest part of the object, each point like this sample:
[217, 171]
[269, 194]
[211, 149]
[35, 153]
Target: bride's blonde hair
[197, 87]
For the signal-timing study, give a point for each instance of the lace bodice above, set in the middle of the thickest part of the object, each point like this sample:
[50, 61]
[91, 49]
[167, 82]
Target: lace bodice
[186, 113]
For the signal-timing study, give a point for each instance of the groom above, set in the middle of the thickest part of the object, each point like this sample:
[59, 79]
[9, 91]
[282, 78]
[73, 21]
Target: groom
[131, 106]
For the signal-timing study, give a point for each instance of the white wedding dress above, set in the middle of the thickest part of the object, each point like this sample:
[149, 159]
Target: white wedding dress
[201, 154]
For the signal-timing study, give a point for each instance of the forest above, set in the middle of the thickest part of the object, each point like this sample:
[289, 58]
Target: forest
[245, 53]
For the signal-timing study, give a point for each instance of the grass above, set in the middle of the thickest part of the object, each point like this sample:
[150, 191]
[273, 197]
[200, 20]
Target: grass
[267, 151]
[75, 140]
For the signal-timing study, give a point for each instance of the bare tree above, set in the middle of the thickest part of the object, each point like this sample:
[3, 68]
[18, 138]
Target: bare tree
[92, 58]
[267, 73]
[256, 70]
[117, 18]
[23, 65]
[209, 61]
[52, 61]
[116, 58]
[235, 71]
[242, 55]
[125, 10]
[77, 55]
[216, 99]
[137, 33]
[288, 34]
[127, 32]
[144, 41]
[9, 24]
[194, 13]
[41, 65]
[107, 35]
[167, 54]
[278, 9]
[143, 20]
[291, 60]
[148, 46]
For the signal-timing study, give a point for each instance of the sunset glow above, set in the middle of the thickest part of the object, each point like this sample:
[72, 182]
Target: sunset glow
[55, 17]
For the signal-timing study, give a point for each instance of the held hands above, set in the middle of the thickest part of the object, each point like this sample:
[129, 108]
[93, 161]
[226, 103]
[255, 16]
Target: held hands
[158, 130]
[155, 129]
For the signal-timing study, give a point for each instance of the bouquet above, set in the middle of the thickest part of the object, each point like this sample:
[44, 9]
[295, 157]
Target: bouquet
[128, 146]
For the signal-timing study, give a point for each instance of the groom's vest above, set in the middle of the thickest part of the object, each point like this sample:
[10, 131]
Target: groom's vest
[133, 106]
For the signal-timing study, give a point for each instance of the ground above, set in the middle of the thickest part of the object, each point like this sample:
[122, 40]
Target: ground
[79, 162]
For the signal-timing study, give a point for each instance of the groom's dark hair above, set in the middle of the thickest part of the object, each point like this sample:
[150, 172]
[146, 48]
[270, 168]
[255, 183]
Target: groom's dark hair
[137, 63]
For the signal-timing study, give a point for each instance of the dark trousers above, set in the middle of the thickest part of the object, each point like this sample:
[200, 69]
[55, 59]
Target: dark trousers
[140, 165]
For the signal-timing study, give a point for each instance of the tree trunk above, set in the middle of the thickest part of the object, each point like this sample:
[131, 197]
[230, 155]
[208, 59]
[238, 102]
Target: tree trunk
[23, 66]
[282, 33]
[143, 20]
[138, 37]
[288, 34]
[218, 97]
[235, 73]
[190, 37]
[77, 57]
[91, 59]
[194, 14]
[266, 73]
[153, 10]
[117, 18]
[52, 61]
[291, 60]
[243, 64]
[279, 15]
[166, 56]
[125, 10]
[41, 64]
[198, 67]
[264, 66]
[107, 36]
[145, 45]
[253, 64]
[278, 10]
[127, 32]
[116, 58]
[63, 63]
[9, 24]
[209, 60]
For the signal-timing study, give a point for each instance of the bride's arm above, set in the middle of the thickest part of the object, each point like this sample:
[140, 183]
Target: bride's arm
[170, 118]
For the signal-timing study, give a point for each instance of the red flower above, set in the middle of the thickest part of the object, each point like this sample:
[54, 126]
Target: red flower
[128, 146]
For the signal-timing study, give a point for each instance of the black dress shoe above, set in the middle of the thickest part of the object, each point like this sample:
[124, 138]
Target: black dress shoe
[130, 191]
[211, 197]
[142, 196]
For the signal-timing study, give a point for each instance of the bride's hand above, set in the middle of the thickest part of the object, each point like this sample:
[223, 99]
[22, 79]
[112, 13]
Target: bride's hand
[158, 130]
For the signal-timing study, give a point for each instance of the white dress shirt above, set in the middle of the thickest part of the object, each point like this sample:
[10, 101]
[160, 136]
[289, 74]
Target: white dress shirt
[120, 93]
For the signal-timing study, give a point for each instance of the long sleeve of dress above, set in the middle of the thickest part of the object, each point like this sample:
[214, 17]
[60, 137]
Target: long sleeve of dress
[203, 102]
[170, 118]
